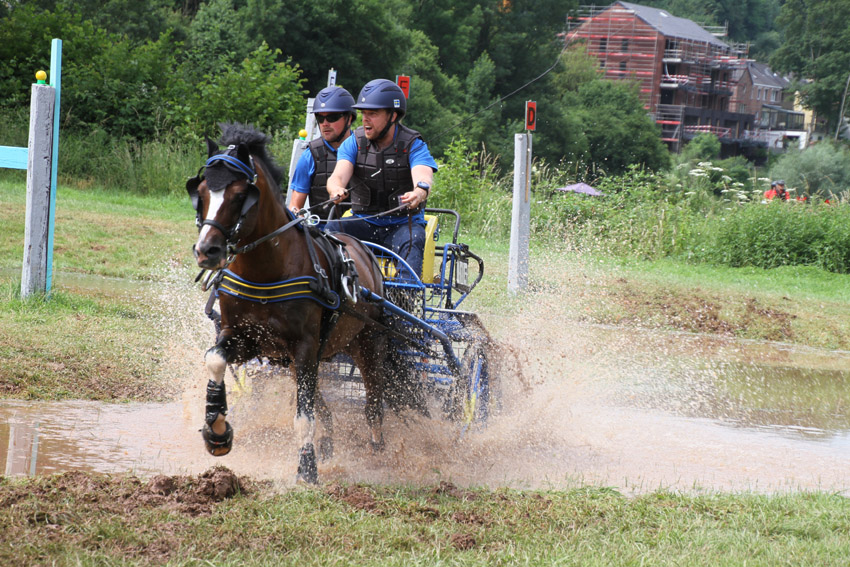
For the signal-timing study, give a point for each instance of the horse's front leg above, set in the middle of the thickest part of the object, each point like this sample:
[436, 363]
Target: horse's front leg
[306, 383]
[217, 433]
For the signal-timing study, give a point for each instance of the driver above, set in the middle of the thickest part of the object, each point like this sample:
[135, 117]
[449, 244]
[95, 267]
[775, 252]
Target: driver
[334, 112]
[390, 171]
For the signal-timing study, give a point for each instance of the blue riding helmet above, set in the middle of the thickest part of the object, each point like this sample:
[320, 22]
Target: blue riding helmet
[334, 99]
[382, 93]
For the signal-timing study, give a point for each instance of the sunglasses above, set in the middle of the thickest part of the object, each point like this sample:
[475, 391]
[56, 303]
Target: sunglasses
[329, 117]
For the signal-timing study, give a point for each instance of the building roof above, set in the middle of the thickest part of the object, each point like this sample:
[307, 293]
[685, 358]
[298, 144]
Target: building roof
[671, 26]
[763, 76]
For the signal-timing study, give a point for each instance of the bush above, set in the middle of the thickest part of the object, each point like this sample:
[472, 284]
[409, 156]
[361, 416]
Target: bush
[261, 92]
[779, 234]
[822, 170]
[468, 182]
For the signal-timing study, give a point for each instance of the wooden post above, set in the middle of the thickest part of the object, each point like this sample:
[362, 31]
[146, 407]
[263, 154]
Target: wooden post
[520, 215]
[37, 230]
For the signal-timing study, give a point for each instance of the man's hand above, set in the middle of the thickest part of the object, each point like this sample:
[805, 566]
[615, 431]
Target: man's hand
[414, 198]
[337, 194]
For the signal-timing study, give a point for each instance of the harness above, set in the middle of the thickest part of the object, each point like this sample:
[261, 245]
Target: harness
[324, 288]
[304, 287]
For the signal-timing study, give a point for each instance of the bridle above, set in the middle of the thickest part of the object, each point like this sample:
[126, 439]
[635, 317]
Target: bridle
[252, 196]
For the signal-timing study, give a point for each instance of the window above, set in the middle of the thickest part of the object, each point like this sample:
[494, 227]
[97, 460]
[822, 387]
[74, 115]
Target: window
[624, 45]
[758, 96]
[623, 65]
[603, 44]
[773, 95]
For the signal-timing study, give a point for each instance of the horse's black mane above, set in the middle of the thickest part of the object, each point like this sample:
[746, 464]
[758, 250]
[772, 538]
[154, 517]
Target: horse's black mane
[233, 133]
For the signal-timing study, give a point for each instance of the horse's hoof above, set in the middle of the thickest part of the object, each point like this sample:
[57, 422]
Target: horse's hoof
[218, 445]
[326, 448]
[377, 447]
[307, 471]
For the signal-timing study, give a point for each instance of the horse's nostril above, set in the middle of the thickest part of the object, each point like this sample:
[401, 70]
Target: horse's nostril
[213, 251]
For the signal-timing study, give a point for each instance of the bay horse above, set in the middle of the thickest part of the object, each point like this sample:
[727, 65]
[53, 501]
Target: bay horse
[269, 280]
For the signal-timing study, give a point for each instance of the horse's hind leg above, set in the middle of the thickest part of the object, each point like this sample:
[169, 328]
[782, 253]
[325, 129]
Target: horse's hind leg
[217, 433]
[367, 355]
[306, 382]
[326, 441]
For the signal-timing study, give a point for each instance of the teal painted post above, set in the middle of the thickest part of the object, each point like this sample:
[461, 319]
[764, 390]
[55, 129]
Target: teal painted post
[56, 83]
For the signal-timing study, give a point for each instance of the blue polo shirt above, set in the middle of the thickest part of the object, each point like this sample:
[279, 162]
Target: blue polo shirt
[305, 169]
[419, 155]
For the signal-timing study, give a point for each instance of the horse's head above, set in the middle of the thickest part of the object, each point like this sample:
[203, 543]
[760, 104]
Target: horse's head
[225, 197]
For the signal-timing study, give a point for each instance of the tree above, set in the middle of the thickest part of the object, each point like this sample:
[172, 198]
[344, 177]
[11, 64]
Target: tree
[260, 91]
[361, 39]
[817, 33]
[704, 147]
[619, 131]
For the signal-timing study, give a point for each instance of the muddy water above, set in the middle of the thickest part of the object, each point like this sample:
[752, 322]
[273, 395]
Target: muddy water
[634, 409]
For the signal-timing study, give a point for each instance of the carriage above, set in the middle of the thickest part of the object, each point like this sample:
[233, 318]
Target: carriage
[447, 348]
[350, 315]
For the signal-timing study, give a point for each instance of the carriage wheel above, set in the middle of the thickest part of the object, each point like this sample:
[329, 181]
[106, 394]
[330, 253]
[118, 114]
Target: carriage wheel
[472, 392]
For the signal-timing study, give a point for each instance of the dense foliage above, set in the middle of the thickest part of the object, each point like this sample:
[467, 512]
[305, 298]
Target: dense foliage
[143, 69]
[701, 211]
[817, 33]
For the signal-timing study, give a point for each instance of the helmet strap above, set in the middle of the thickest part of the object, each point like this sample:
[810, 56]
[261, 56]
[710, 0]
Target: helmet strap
[342, 133]
[390, 124]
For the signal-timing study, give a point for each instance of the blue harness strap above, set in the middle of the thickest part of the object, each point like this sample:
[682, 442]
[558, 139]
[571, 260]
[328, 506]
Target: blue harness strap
[235, 162]
[303, 287]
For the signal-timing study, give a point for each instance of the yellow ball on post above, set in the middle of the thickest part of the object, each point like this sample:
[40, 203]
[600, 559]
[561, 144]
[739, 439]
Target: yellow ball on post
[41, 77]
[302, 133]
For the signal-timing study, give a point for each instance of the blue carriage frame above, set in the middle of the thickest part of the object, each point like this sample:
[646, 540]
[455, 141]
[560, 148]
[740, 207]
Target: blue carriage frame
[446, 346]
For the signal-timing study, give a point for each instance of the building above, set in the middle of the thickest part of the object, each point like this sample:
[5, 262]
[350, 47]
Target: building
[686, 74]
[762, 92]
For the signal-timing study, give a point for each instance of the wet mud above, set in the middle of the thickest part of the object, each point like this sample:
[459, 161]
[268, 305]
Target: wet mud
[581, 404]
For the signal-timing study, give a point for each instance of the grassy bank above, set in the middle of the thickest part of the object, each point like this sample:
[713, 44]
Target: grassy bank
[96, 337]
[218, 519]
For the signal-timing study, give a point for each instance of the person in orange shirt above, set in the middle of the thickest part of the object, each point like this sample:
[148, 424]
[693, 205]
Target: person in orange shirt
[777, 190]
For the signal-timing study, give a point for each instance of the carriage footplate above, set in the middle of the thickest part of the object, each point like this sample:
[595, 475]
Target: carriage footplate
[217, 444]
[307, 471]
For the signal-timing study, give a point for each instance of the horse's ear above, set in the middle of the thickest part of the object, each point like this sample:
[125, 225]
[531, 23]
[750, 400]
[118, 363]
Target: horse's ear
[212, 147]
[192, 188]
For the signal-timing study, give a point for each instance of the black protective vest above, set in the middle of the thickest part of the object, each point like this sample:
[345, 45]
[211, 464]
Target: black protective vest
[381, 177]
[324, 161]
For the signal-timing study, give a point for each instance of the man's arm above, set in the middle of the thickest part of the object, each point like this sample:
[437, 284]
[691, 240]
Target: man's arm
[420, 173]
[296, 201]
[338, 181]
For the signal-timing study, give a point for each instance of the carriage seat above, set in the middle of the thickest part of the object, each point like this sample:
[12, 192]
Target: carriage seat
[428, 274]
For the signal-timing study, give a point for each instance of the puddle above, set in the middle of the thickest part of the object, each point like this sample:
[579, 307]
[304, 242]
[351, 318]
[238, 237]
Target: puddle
[637, 410]
[49, 437]
[685, 413]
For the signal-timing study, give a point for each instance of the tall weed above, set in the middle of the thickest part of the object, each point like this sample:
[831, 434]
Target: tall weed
[469, 182]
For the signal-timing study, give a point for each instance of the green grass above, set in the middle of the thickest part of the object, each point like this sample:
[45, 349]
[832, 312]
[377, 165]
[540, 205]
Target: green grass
[96, 340]
[95, 520]
[106, 233]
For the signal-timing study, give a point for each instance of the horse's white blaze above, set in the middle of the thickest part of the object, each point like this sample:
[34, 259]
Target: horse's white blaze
[305, 429]
[215, 364]
[216, 199]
